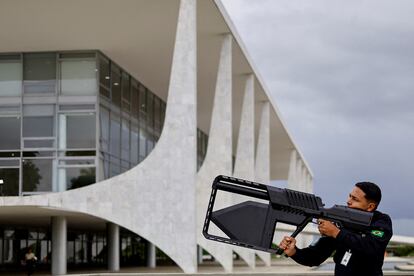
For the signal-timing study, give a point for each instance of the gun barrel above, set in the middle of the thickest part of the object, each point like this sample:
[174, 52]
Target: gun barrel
[242, 190]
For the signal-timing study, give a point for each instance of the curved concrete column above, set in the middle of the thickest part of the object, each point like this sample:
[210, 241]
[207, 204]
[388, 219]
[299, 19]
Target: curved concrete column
[310, 184]
[306, 238]
[299, 175]
[298, 181]
[167, 187]
[218, 159]
[244, 164]
[292, 170]
[262, 166]
[303, 178]
[295, 182]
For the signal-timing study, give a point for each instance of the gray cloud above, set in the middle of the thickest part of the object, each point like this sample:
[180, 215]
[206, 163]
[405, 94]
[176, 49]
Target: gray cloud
[342, 75]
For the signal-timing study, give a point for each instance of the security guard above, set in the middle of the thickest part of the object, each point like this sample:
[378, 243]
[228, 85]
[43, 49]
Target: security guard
[355, 253]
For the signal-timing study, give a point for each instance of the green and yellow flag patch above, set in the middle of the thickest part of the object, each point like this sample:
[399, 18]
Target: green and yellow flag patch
[377, 233]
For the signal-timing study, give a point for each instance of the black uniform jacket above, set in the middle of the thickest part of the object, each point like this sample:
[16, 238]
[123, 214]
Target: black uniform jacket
[367, 249]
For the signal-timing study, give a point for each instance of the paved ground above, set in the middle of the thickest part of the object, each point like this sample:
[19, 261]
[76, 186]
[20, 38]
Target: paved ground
[280, 267]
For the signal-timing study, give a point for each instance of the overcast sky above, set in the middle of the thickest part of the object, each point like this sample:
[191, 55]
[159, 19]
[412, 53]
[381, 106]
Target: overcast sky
[342, 75]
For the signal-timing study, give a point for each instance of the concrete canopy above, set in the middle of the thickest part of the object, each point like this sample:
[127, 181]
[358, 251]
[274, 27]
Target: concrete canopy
[139, 35]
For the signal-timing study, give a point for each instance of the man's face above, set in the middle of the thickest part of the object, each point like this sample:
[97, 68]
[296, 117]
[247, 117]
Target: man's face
[357, 200]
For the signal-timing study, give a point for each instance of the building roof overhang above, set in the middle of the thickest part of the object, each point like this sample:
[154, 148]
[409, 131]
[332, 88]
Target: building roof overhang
[139, 36]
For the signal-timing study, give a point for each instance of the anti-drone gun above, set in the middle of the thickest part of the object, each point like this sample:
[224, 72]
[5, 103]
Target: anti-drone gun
[252, 224]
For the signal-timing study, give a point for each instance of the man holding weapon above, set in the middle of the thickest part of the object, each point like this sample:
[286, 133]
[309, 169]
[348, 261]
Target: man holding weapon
[355, 253]
[357, 233]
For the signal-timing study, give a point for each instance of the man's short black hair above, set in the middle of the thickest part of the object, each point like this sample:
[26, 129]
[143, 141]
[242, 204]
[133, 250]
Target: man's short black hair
[371, 190]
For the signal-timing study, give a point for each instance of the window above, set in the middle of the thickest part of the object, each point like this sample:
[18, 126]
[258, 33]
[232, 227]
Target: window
[38, 120]
[142, 99]
[10, 178]
[142, 143]
[114, 166]
[75, 177]
[150, 143]
[38, 126]
[39, 73]
[157, 115]
[134, 99]
[125, 148]
[10, 75]
[104, 167]
[134, 144]
[78, 77]
[104, 122]
[37, 175]
[115, 143]
[126, 93]
[116, 85]
[10, 139]
[77, 131]
[104, 77]
[150, 110]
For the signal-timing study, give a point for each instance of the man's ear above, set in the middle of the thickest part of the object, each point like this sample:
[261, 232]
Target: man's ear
[371, 207]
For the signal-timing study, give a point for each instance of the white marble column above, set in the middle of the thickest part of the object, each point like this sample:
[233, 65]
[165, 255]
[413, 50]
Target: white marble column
[244, 164]
[292, 175]
[310, 183]
[262, 165]
[113, 246]
[304, 178]
[218, 159]
[299, 175]
[59, 241]
[151, 255]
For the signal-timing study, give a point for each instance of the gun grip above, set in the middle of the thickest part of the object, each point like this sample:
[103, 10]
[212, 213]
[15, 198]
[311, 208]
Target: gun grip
[279, 251]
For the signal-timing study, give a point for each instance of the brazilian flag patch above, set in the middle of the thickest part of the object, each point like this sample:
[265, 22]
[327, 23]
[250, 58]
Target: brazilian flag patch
[377, 233]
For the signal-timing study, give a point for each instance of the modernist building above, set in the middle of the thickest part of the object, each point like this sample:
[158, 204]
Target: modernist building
[115, 116]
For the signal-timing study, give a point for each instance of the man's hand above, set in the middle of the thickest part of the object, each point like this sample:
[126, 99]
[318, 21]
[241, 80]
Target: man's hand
[327, 228]
[288, 244]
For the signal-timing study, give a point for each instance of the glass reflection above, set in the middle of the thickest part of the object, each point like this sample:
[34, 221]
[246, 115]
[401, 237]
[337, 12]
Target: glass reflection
[77, 131]
[10, 75]
[79, 177]
[125, 147]
[104, 77]
[10, 139]
[39, 73]
[37, 175]
[104, 127]
[10, 178]
[78, 77]
[116, 85]
[41, 126]
[115, 135]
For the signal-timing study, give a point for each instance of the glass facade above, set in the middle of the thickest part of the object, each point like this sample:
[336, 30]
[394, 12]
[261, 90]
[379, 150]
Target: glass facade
[67, 120]
[85, 248]
[72, 119]
[48, 107]
[15, 241]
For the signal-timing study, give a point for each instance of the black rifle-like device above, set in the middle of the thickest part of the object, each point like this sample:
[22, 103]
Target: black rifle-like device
[252, 224]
